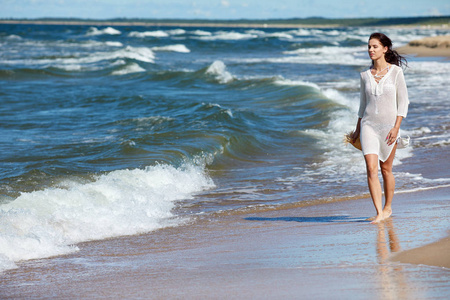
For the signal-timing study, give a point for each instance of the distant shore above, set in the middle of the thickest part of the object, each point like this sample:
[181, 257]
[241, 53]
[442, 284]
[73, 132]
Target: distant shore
[165, 24]
[438, 22]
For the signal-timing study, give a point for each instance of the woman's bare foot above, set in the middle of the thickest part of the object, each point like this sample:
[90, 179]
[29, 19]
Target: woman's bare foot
[387, 212]
[377, 219]
[371, 218]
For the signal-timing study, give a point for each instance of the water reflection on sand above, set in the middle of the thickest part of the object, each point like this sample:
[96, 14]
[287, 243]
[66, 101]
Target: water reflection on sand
[393, 284]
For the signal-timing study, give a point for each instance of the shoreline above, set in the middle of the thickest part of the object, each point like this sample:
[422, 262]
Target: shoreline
[306, 251]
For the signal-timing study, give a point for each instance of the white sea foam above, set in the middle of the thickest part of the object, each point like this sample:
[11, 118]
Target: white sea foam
[300, 32]
[125, 202]
[89, 61]
[92, 44]
[227, 111]
[332, 33]
[283, 81]
[131, 68]
[424, 188]
[228, 35]
[157, 33]
[338, 97]
[279, 35]
[218, 70]
[72, 67]
[328, 55]
[174, 48]
[107, 30]
[119, 62]
[324, 55]
[255, 32]
[14, 37]
[137, 53]
[114, 44]
[263, 34]
[178, 31]
[201, 33]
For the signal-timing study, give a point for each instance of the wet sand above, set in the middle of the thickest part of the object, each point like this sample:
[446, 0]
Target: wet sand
[431, 254]
[318, 251]
[427, 47]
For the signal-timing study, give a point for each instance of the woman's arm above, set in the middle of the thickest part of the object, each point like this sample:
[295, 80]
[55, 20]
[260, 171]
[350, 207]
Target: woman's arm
[362, 108]
[362, 97]
[357, 131]
[402, 95]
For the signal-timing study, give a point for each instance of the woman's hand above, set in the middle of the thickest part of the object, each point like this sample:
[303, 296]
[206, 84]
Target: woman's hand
[355, 135]
[392, 136]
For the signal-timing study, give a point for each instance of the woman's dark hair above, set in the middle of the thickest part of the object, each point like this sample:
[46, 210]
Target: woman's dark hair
[391, 55]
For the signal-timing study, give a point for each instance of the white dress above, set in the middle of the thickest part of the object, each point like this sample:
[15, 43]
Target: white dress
[380, 104]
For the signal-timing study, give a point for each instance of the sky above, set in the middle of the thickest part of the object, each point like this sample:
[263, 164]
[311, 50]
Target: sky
[221, 9]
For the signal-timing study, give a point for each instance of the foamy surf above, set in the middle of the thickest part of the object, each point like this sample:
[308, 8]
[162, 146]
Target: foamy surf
[218, 70]
[174, 48]
[91, 61]
[157, 34]
[227, 36]
[124, 202]
[129, 69]
[107, 30]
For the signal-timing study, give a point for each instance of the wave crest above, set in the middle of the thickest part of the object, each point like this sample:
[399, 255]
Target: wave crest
[218, 70]
[107, 30]
[124, 202]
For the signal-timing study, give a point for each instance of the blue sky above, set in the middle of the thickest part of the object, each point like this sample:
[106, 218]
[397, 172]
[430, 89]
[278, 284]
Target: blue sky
[222, 9]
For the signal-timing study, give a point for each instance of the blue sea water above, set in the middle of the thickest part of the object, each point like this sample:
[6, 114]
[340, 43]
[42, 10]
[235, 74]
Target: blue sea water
[118, 131]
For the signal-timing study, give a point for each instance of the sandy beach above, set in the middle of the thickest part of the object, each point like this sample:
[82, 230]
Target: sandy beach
[303, 251]
[430, 46]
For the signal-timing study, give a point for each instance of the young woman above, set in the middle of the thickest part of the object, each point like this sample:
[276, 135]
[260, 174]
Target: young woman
[383, 105]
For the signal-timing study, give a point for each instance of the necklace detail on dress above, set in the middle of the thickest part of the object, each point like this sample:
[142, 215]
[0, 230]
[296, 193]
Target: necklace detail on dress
[378, 77]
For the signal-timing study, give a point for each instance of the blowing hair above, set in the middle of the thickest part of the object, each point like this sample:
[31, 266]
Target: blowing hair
[391, 55]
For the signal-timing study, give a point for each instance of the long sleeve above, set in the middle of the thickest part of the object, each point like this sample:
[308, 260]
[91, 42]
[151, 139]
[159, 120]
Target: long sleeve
[362, 98]
[402, 95]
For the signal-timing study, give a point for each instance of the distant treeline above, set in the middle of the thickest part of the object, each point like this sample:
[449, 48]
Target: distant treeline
[314, 21]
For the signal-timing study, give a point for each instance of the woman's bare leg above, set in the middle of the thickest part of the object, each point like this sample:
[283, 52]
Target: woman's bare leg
[388, 182]
[374, 185]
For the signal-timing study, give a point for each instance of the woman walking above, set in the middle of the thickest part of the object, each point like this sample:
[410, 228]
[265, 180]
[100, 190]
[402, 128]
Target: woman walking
[383, 105]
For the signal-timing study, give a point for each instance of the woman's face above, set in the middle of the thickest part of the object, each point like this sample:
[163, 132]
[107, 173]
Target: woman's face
[376, 49]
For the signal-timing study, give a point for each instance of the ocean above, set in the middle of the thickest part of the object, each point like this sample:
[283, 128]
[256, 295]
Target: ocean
[113, 131]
